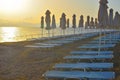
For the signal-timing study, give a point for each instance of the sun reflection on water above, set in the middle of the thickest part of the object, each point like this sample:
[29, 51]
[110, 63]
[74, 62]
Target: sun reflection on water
[9, 34]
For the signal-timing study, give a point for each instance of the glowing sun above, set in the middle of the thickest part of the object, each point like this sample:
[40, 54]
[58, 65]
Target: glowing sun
[12, 6]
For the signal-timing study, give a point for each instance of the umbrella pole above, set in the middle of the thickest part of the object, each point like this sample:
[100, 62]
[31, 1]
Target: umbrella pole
[48, 34]
[104, 35]
[64, 33]
[110, 35]
[52, 32]
[61, 33]
[42, 33]
[99, 49]
[74, 31]
[81, 30]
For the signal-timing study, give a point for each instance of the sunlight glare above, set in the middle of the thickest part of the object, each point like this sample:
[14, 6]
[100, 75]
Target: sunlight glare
[9, 34]
[12, 6]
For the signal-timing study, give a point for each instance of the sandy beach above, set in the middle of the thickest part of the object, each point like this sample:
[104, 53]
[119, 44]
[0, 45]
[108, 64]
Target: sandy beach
[37, 34]
[21, 63]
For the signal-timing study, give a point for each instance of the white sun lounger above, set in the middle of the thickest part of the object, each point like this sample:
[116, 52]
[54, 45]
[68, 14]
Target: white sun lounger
[106, 42]
[91, 52]
[72, 39]
[48, 44]
[97, 46]
[36, 46]
[59, 42]
[108, 39]
[89, 57]
[84, 66]
[111, 37]
[78, 75]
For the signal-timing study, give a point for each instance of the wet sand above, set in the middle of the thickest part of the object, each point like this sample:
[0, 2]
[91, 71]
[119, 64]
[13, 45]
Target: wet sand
[21, 63]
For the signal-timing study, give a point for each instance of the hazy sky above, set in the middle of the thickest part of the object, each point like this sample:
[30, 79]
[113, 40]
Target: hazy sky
[28, 12]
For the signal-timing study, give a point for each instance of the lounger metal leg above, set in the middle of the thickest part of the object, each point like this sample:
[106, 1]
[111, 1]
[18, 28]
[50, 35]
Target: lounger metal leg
[84, 69]
[46, 78]
[78, 60]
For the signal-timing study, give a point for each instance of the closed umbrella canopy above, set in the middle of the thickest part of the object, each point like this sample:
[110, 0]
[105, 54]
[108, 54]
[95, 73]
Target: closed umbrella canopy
[119, 20]
[74, 21]
[111, 18]
[42, 22]
[87, 23]
[92, 23]
[63, 21]
[96, 22]
[53, 22]
[81, 21]
[48, 20]
[103, 14]
[60, 22]
[68, 24]
[116, 19]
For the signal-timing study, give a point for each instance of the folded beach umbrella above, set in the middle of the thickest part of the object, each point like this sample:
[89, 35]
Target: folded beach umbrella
[81, 21]
[103, 14]
[88, 22]
[68, 24]
[110, 19]
[116, 20]
[60, 22]
[42, 24]
[102, 17]
[53, 24]
[63, 23]
[48, 21]
[119, 19]
[96, 23]
[74, 22]
[61, 26]
[92, 23]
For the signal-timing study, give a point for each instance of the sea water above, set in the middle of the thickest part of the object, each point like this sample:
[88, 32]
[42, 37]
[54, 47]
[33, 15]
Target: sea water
[15, 34]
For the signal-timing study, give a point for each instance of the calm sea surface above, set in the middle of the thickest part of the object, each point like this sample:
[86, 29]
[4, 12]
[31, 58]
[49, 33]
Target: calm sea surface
[14, 34]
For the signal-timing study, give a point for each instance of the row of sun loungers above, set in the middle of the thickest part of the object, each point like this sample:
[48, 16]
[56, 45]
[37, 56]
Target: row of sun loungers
[61, 41]
[84, 66]
[97, 46]
[108, 39]
[79, 75]
[91, 52]
[72, 70]
[72, 57]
